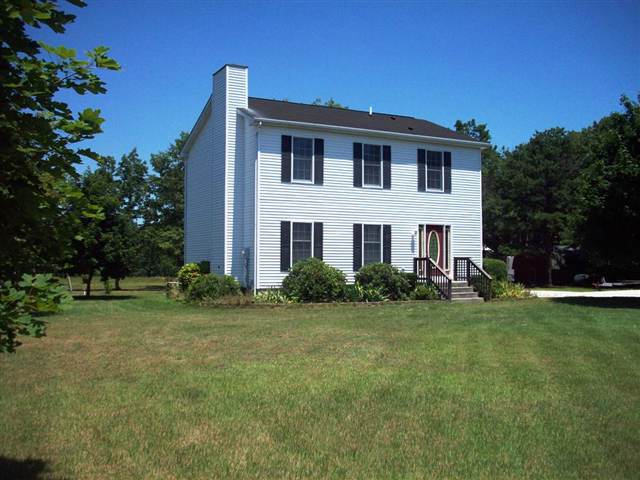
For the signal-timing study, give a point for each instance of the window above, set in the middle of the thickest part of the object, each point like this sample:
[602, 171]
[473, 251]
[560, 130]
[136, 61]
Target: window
[300, 241]
[434, 171]
[302, 159]
[371, 165]
[372, 244]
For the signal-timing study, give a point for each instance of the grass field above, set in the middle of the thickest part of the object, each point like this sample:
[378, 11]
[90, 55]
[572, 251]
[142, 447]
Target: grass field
[132, 385]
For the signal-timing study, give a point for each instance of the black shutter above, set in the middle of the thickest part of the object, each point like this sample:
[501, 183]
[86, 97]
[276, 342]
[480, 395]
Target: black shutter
[357, 164]
[285, 166]
[317, 240]
[386, 243]
[386, 166]
[357, 246]
[285, 246]
[422, 187]
[447, 172]
[318, 154]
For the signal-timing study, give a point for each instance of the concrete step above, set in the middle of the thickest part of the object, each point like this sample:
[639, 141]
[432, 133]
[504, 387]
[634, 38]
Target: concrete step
[462, 289]
[468, 300]
[455, 294]
[459, 283]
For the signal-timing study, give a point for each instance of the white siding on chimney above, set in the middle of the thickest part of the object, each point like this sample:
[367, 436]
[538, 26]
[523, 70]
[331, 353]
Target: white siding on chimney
[199, 202]
[236, 97]
[338, 204]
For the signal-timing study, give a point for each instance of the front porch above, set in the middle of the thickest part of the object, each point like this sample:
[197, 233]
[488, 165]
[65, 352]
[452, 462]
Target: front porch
[468, 281]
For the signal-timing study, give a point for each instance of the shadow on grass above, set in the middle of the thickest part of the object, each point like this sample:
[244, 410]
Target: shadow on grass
[28, 469]
[104, 297]
[600, 302]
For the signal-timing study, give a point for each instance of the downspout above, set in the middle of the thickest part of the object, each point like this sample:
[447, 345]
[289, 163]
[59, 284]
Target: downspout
[256, 231]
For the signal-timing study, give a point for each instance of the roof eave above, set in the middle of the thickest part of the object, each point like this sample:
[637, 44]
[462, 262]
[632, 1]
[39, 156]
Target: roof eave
[366, 131]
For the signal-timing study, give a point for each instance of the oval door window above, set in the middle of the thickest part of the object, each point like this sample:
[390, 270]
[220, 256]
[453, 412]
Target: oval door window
[434, 246]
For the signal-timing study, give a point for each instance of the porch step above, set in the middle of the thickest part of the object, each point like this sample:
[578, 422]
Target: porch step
[475, 299]
[458, 283]
[455, 294]
[462, 289]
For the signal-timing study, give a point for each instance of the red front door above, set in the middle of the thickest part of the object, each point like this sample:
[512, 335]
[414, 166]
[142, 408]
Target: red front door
[433, 244]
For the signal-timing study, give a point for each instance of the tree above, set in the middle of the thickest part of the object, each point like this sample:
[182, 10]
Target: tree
[134, 190]
[39, 133]
[609, 193]
[163, 234]
[536, 190]
[329, 103]
[99, 188]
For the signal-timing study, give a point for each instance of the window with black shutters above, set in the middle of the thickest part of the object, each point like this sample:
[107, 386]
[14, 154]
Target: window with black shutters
[302, 159]
[371, 165]
[300, 241]
[435, 171]
[372, 244]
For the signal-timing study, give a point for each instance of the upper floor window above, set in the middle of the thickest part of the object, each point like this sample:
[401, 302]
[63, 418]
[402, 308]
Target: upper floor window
[371, 165]
[435, 171]
[302, 159]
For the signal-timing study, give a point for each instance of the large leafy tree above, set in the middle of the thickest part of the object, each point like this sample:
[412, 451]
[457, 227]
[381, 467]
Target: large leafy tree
[134, 189]
[162, 236]
[39, 134]
[535, 207]
[609, 193]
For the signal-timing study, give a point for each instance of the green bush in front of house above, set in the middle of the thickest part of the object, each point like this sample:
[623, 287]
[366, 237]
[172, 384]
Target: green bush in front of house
[312, 280]
[187, 274]
[424, 292]
[496, 268]
[505, 289]
[393, 283]
[210, 287]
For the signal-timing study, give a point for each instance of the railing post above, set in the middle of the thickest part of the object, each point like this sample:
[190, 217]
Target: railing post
[455, 268]
[468, 271]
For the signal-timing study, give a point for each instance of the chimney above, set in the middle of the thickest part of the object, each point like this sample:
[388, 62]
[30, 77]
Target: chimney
[230, 92]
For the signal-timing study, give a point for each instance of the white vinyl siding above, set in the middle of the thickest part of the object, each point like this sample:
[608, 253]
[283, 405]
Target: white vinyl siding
[202, 205]
[338, 205]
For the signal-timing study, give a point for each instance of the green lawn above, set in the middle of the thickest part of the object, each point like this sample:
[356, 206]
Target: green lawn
[135, 386]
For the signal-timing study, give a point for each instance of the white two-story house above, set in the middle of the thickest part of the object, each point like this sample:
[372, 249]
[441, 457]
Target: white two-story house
[270, 182]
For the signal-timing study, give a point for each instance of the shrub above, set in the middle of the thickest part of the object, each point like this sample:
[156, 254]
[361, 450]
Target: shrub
[273, 297]
[359, 293]
[207, 288]
[187, 274]
[412, 278]
[388, 278]
[312, 280]
[424, 292]
[496, 268]
[22, 305]
[505, 289]
[204, 266]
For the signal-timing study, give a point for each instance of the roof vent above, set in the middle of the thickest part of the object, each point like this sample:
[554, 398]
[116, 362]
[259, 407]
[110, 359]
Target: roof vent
[370, 110]
[410, 128]
[392, 117]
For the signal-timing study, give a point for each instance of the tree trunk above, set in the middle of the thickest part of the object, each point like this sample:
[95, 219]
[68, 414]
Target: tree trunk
[117, 286]
[550, 270]
[87, 290]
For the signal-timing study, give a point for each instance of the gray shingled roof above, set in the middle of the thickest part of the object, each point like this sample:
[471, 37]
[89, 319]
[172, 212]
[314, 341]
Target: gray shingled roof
[301, 112]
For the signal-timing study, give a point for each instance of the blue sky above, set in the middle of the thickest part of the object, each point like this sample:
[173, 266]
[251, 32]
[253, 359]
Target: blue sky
[519, 67]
